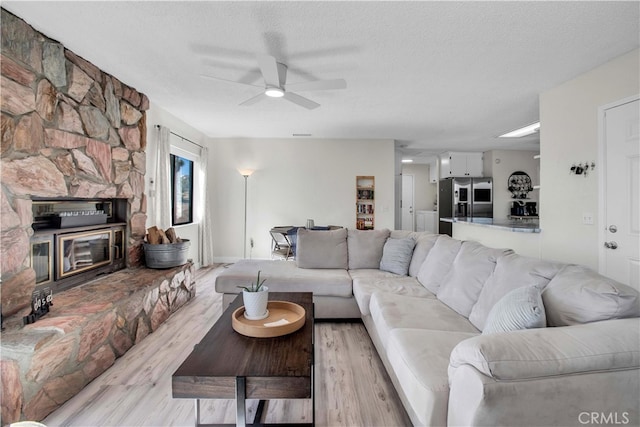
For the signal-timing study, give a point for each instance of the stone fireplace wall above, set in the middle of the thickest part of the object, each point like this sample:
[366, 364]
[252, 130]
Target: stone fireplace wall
[68, 130]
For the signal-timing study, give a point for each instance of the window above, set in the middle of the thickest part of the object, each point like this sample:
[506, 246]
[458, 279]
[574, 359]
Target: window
[181, 190]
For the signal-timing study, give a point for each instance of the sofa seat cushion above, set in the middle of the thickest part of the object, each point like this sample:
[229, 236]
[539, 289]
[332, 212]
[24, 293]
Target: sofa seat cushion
[420, 359]
[284, 276]
[512, 271]
[390, 311]
[366, 282]
[579, 295]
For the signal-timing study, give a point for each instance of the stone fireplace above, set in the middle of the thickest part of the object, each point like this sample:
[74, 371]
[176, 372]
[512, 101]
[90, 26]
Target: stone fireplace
[73, 166]
[69, 130]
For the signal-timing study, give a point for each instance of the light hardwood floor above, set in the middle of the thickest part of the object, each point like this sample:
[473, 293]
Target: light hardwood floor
[351, 385]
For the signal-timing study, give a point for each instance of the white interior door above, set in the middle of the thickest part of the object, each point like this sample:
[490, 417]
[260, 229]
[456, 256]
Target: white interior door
[408, 221]
[620, 254]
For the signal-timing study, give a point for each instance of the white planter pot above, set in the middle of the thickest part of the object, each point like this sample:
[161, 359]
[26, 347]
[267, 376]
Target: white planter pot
[255, 304]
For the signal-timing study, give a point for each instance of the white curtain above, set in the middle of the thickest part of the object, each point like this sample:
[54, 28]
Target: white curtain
[206, 223]
[162, 203]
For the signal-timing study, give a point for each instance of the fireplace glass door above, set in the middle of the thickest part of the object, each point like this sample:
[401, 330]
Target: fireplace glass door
[42, 259]
[83, 251]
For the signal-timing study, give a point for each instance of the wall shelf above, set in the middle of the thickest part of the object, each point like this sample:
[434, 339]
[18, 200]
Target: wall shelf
[365, 202]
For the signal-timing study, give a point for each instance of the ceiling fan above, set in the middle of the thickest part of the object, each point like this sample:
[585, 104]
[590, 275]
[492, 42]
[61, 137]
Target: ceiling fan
[275, 84]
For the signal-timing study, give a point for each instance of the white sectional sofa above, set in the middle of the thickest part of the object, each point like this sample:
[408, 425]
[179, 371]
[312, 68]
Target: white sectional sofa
[471, 335]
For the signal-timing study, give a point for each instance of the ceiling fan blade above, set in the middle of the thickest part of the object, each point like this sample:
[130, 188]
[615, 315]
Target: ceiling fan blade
[269, 68]
[300, 100]
[228, 81]
[259, 97]
[318, 85]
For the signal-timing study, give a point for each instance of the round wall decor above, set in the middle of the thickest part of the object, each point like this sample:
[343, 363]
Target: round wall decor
[520, 185]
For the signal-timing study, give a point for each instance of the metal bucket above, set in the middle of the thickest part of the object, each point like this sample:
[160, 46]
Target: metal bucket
[166, 256]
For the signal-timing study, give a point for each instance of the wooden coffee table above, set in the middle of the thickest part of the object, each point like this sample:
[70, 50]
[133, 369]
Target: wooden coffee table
[228, 365]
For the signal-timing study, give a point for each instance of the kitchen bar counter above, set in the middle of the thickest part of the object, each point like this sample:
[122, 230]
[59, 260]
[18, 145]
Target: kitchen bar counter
[517, 226]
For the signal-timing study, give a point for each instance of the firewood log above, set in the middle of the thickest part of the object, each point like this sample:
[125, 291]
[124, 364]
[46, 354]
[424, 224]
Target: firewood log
[163, 237]
[153, 236]
[171, 235]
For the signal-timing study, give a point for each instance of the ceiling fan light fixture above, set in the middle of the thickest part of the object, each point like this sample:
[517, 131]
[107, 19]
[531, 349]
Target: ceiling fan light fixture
[274, 92]
[274, 74]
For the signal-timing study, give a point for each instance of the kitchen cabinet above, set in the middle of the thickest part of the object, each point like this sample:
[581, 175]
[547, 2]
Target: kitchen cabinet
[433, 171]
[427, 221]
[459, 164]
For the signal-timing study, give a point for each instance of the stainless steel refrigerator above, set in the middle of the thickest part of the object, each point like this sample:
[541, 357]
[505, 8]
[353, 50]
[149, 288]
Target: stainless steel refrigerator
[464, 198]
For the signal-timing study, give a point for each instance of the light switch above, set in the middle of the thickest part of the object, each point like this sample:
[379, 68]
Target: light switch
[587, 218]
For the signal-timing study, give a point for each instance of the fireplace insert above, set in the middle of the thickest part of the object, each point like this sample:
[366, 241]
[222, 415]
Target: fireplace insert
[77, 240]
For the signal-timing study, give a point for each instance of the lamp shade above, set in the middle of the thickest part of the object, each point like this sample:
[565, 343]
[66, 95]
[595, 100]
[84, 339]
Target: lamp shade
[246, 172]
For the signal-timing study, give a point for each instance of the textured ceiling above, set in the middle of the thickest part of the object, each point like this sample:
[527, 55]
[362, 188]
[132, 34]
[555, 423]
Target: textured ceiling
[433, 76]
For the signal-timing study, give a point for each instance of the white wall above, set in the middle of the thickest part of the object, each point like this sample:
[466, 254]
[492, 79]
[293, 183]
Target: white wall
[568, 134]
[509, 161]
[158, 116]
[294, 180]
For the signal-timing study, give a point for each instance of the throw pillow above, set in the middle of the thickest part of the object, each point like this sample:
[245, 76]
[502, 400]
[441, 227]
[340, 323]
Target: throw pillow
[322, 249]
[396, 255]
[579, 295]
[512, 271]
[522, 308]
[365, 248]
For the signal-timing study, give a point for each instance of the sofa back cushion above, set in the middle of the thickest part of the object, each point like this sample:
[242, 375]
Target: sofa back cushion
[438, 262]
[403, 234]
[322, 249]
[512, 271]
[470, 270]
[579, 295]
[424, 244]
[365, 248]
[396, 255]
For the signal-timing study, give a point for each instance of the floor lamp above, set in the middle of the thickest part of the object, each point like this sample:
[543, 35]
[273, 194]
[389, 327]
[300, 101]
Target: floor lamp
[246, 173]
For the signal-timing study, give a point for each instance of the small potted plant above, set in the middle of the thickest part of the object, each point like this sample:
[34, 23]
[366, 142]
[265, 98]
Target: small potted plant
[255, 297]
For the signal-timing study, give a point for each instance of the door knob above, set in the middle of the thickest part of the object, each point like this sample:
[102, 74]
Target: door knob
[613, 228]
[611, 245]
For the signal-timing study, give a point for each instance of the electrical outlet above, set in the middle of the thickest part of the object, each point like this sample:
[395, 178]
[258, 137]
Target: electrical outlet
[587, 218]
[251, 242]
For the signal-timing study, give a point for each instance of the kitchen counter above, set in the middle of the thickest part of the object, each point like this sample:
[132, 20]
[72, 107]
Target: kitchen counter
[427, 221]
[516, 226]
